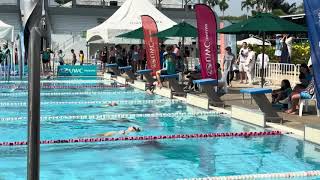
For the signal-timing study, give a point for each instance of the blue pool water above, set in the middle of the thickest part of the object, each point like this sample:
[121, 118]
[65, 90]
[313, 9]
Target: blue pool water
[162, 159]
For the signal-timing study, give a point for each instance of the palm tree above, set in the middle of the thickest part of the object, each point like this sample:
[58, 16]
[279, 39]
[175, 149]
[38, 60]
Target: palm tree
[212, 3]
[247, 4]
[223, 5]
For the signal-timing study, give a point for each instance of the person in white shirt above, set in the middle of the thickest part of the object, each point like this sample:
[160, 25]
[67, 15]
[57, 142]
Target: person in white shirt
[289, 41]
[310, 62]
[265, 65]
[228, 60]
[242, 59]
[250, 63]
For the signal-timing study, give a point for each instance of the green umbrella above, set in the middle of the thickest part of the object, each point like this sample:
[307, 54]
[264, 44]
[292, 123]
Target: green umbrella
[182, 29]
[263, 23]
[135, 34]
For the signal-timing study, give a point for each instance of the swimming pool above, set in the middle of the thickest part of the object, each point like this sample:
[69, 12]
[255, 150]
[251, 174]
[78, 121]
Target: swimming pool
[160, 159]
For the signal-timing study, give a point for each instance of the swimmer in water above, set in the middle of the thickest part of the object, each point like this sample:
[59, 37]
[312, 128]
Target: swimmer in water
[123, 132]
[113, 104]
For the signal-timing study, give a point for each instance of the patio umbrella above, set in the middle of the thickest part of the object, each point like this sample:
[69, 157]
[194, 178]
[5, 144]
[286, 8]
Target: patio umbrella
[182, 29]
[263, 23]
[135, 34]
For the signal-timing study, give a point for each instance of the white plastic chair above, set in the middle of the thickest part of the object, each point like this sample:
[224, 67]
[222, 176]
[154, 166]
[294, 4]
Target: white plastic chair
[304, 103]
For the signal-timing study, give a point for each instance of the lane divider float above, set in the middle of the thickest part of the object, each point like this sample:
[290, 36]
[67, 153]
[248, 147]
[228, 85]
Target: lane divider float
[126, 102]
[115, 116]
[66, 87]
[150, 138]
[290, 175]
[71, 93]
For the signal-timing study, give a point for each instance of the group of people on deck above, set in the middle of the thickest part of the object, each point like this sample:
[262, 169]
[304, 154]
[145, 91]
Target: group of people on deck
[135, 56]
[244, 65]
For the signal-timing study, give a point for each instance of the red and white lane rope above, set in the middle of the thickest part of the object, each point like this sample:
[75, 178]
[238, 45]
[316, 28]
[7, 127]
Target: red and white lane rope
[122, 102]
[115, 116]
[290, 175]
[65, 87]
[148, 138]
[72, 93]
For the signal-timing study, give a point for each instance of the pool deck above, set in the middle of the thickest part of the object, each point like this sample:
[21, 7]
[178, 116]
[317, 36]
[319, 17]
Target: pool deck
[292, 123]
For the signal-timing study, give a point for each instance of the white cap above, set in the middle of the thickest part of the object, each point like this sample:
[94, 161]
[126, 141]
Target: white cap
[165, 53]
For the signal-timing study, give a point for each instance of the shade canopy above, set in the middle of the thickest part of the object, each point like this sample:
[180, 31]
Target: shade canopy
[253, 41]
[128, 18]
[182, 29]
[6, 31]
[263, 22]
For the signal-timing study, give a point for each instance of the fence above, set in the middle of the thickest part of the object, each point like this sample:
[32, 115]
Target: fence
[276, 72]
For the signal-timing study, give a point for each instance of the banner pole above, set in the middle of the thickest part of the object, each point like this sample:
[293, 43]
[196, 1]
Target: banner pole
[34, 105]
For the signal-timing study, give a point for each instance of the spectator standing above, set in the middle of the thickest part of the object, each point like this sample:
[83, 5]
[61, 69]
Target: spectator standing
[135, 58]
[284, 51]
[81, 57]
[228, 60]
[162, 50]
[112, 55]
[277, 52]
[265, 65]
[74, 57]
[289, 42]
[242, 60]
[104, 58]
[141, 52]
[46, 61]
[250, 64]
[60, 57]
[97, 56]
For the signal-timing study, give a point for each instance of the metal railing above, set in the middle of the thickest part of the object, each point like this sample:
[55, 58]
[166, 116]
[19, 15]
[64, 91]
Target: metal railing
[276, 72]
[192, 63]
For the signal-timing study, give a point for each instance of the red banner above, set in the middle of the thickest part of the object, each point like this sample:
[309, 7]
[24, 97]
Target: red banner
[151, 43]
[207, 37]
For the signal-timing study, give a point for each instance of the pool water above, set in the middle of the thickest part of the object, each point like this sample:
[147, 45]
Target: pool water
[161, 159]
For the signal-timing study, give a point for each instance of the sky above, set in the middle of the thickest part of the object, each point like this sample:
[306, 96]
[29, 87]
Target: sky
[235, 7]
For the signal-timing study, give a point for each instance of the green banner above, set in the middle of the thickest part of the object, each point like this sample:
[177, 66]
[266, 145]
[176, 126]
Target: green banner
[68, 70]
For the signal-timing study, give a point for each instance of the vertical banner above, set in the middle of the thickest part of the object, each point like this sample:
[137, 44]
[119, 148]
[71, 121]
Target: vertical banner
[312, 10]
[207, 37]
[151, 43]
[222, 45]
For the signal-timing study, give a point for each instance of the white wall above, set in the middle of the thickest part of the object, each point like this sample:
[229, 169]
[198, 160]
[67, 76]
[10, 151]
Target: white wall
[62, 24]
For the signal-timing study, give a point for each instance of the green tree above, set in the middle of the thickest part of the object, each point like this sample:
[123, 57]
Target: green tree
[300, 9]
[212, 3]
[223, 5]
[271, 5]
[247, 4]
